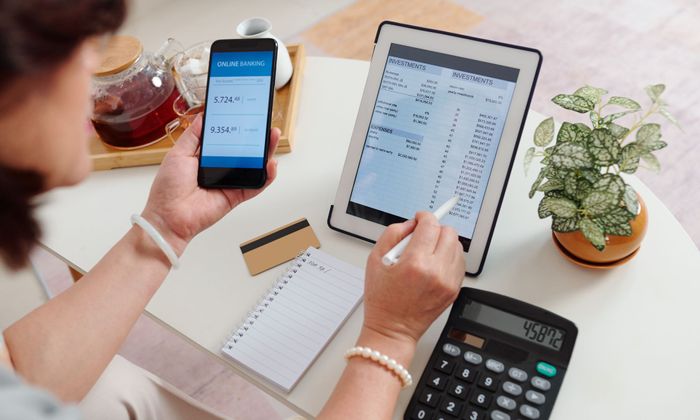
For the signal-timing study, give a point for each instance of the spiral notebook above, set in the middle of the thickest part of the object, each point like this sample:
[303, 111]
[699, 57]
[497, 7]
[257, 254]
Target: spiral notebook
[297, 318]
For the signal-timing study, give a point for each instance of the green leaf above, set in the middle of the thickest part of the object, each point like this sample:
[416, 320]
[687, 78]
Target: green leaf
[603, 147]
[542, 210]
[630, 200]
[544, 133]
[583, 127]
[591, 93]
[614, 217]
[571, 156]
[611, 183]
[652, 161]
[537, 182]
[624, 102]
[571, 185]
[616, 221]
[551, 185]
[629, 162]
[608, 119]
[617, 131]
[561, 207]
[561, 224]
[599, 202]
[593, 233]
[572, 133]
[595, 119]
[590, 175]
[574, 103]
[529, 155]
[654, 91]
[663, 111]
[649, 133]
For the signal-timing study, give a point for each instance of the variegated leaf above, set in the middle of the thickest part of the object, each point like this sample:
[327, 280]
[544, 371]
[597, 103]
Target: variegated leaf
[574, 103]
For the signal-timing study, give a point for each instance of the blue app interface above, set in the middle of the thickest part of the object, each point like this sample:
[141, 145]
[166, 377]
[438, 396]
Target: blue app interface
[237, 103]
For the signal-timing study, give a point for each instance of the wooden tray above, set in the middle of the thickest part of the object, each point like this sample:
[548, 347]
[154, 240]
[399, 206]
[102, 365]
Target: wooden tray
[284, 113]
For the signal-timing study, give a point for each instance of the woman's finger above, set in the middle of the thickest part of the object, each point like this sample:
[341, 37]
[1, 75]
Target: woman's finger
[444, 250]
[392, 235]
[425, 236]
[188, 143]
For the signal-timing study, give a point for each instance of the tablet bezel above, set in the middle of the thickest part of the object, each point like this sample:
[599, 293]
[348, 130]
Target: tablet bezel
[527, 60]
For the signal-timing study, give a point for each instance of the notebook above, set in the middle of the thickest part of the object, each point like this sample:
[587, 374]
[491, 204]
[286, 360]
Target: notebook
[296, 319]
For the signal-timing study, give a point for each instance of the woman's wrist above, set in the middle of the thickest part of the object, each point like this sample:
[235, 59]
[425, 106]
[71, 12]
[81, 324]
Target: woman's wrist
[177, 241]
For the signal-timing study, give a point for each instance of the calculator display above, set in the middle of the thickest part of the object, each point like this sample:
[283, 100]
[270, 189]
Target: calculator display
[533, 331]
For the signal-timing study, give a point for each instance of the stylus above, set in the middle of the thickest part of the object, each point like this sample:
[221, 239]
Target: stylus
[392, 257]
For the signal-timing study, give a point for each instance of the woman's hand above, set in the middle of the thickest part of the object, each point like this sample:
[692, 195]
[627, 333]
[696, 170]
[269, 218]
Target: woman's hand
[177, 207]
[401, 301]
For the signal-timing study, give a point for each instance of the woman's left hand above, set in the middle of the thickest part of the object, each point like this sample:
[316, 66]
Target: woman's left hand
[177, 207]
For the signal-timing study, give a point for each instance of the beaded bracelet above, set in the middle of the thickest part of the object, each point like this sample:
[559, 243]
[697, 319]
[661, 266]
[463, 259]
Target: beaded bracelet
[157, 238]
[390, 364]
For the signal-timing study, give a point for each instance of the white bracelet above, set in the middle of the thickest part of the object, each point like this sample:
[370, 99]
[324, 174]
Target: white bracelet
[390, 364]
[157, 238]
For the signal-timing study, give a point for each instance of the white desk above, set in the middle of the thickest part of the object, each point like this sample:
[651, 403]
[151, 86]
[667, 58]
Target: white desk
[638, 340]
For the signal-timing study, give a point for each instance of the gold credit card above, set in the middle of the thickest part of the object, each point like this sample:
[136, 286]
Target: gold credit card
[278, 246]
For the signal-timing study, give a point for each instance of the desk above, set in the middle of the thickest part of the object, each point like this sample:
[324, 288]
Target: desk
[636, 355]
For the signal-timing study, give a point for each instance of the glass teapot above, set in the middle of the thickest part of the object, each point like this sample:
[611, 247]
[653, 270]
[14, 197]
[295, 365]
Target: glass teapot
[133, 93]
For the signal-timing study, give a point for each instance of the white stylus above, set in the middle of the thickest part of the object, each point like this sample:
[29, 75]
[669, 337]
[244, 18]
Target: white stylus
[392, 257]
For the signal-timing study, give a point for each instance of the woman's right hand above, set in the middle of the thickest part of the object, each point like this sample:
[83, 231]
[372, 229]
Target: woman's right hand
[402, 300]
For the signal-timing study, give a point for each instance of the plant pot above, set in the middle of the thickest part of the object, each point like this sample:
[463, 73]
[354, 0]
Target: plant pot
[618, 249]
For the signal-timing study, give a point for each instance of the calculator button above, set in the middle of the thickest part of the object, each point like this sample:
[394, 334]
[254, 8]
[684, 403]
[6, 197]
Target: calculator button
[529, 412]
[481, 399]
[458, 389]
[545, 369]
[466, 374]
[437, 381]
[488, 382]
[512, 388]
[474, 414]
[535, 397]
[473, 358]
[540, 383]
[430, 397]
[517, 374]
[505, 402]
[441, 416]
[499, 415]
[451, 349]
[451, 406]
[445, 365]
[420, 413]
[495, 366]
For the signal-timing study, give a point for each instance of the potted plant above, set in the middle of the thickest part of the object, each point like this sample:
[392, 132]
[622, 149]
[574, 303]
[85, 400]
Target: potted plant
[598, 220]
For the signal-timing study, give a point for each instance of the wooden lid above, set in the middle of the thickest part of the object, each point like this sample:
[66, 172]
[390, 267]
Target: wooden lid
[121, 52]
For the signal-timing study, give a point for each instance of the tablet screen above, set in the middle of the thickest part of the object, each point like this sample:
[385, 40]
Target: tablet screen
[434, 133]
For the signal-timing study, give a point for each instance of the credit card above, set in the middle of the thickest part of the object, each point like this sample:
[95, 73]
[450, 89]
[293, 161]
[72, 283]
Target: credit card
[278, 246]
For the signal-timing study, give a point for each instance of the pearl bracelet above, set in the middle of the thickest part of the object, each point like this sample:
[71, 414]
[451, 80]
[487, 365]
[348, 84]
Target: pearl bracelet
[390, 364]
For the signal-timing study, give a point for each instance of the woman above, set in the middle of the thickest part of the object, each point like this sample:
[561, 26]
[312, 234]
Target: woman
[67, 346]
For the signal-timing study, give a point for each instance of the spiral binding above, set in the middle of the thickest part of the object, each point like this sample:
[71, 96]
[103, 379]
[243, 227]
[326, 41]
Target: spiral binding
[264, 302]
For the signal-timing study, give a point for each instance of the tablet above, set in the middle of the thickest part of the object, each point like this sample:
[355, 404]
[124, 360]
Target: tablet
[441, 115]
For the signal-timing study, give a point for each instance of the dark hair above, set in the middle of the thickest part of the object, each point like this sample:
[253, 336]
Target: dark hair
[36, 37]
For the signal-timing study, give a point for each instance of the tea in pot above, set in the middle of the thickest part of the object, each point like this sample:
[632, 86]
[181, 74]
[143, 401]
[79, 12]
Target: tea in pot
[133, 94]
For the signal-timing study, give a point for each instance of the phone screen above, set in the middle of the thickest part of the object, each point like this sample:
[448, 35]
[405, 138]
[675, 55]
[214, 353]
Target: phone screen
[238, 102]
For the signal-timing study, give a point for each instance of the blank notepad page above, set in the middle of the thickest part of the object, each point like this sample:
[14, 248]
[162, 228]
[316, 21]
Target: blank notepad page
[284, 334]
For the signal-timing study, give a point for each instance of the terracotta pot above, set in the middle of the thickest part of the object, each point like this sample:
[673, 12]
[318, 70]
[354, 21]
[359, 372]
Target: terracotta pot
[618, 249]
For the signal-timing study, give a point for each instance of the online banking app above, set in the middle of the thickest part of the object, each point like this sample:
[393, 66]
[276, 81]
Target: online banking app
[434, 134]
[237, 104]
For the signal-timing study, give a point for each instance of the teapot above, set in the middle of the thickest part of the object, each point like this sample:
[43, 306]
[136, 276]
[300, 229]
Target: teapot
[133, 93]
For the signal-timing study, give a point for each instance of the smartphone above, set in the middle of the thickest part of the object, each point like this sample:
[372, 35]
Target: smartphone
[237, 113]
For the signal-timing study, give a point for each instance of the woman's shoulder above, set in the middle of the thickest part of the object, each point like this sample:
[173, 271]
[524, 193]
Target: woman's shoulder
[21, 401]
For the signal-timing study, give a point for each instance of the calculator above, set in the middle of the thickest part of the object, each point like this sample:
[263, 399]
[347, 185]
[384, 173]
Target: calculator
[497, 358]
